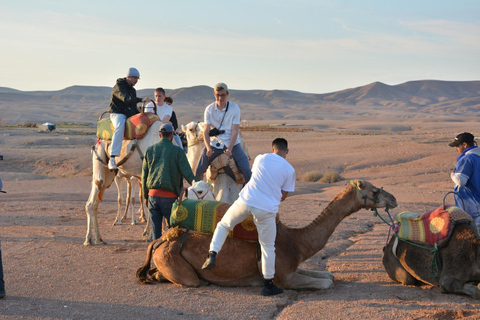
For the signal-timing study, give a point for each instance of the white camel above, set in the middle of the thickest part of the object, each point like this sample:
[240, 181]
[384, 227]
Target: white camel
[225, 189]
[130, 199]
[129, 163]
[200, 190]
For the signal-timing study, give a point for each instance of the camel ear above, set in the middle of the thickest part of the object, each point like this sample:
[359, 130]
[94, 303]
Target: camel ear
[183, 128]
[360, 184]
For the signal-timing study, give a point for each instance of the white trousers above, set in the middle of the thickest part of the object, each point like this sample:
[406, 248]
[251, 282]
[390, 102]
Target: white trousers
[118, 121]
[266, 228]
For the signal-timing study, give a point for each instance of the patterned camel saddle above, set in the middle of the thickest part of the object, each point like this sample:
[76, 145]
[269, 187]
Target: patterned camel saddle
[203, 216]
[223, 162]
[432, 228]
[135, 127]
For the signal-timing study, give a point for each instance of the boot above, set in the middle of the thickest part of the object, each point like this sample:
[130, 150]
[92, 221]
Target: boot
[112, 165]
[210, 262]
[270, 289]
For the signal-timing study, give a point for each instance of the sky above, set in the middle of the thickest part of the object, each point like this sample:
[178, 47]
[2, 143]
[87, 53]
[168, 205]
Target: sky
[311, 46]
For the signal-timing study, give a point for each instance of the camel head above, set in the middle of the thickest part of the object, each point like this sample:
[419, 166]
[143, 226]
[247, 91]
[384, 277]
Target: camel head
[200, 190]
[372, 197]
[193, 132]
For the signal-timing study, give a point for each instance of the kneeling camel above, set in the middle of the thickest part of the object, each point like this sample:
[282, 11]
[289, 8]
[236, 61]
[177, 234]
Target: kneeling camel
[237, 262]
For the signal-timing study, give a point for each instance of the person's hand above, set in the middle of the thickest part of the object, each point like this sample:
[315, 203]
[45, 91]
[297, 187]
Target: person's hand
[209, 153]
[228, 153]
[146, 99]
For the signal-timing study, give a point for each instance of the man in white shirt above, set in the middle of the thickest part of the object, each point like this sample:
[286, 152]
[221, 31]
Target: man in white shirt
[272, 179]
[224, 115]
[163, 110]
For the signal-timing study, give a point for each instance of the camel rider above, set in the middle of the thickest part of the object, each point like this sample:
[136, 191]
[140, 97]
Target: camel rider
[466, 175]
[123, 104]
[225, 117]
[272, 178]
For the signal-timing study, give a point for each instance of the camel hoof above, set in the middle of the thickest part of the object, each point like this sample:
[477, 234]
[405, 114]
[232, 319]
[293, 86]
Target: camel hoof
[117, 223]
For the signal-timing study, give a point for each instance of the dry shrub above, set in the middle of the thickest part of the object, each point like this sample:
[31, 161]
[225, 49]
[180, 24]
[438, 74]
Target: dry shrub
[330, 177]
[311, 176]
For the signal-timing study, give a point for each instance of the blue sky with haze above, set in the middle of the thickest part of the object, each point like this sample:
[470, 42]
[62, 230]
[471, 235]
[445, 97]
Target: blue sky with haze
[308, 46]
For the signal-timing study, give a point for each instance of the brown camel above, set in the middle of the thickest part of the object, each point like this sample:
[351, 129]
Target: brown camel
[237, 263]
[458, 268]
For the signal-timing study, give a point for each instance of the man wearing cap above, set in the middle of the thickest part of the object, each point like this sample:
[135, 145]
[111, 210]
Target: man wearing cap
[164, 167]
[466, 175]
[123, 104]
[225, 116]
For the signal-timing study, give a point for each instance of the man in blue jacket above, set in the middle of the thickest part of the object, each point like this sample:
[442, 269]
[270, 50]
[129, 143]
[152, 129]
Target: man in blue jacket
[466, 176]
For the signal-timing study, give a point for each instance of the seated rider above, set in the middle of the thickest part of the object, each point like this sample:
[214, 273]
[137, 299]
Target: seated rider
[225, 116]
[123, 104]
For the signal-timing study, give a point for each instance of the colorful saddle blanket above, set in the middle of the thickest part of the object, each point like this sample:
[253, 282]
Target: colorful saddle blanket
[203, 216]
[135, 127]
[433, 227]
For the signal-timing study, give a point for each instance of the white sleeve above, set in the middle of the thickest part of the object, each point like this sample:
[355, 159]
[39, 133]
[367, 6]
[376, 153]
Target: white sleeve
[459, 179]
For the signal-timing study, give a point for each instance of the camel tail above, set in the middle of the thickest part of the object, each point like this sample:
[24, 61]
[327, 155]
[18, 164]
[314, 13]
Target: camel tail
[143, 270]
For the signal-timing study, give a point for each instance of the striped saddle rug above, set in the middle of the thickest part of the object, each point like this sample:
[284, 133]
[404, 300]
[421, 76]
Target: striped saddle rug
[434, 227]
[135, 127]
[203, 216]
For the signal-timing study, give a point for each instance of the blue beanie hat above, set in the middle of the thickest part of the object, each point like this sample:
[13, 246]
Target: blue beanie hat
[133, 72]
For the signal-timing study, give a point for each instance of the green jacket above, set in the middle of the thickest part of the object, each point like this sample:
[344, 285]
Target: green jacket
[164, 167]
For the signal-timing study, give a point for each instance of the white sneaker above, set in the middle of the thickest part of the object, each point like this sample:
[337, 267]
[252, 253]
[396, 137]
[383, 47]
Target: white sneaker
[112, 164]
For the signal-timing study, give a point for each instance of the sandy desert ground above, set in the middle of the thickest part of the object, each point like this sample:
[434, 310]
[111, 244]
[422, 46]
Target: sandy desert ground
[50, 274]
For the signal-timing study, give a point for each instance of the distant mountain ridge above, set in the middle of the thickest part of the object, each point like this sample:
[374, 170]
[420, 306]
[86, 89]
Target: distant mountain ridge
[422, 98]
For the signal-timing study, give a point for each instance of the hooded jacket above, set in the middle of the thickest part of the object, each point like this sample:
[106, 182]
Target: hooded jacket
[467, 181]
[124, 98]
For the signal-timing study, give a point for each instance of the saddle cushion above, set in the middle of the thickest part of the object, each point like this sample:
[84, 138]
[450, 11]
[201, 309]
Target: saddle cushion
[135, 127]
[433, 227]
[223, 161]
[203, 216]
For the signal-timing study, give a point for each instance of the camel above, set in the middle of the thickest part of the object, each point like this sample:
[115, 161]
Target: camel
[129, 200]
[200, 190]
[456, 271]
[102, 177]
[178, 255]
[224, 188]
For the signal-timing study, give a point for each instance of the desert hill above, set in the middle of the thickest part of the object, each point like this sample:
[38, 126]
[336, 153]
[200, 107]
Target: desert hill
[426, 98]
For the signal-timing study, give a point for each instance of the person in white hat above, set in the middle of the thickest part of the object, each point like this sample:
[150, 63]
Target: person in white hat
[123, 104]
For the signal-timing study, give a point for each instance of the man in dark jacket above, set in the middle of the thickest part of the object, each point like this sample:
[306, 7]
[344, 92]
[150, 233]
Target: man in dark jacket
[164, 168]
[123, 104]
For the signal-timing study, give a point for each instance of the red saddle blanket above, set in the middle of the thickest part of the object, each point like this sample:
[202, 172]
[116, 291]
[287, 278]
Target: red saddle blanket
[203, 216]
[433, 227]
[135, 127]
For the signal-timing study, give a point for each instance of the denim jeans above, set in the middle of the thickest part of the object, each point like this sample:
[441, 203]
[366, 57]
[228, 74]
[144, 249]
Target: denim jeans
[238, 155]
[159, 208]
[118, 121]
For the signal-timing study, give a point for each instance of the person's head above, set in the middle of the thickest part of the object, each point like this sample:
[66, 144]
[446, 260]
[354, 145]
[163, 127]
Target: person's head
[166, 131]
[159, 96]
[168, 100]
[132, 76]
[463, 141]
[220, 91]
[280, 147]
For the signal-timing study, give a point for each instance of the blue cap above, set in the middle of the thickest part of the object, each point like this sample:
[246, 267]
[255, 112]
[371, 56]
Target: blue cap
[133, 72]
[166, 128]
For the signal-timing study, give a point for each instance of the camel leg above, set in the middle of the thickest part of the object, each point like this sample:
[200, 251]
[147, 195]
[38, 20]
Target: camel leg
[130, 201]
[143, 217]
[118, 183]
[173, 267]
[91, 209]
[450, 284]
[299, 281]
[394, 268]
[315, 274]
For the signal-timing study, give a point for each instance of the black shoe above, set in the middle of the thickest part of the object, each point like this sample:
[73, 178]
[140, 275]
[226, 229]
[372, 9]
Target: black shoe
[210, 262]
[271, 289]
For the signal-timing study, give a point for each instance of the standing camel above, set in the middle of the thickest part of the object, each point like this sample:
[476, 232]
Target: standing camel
[225, 188]
[458, 268]
[237, 262]
[102, 178]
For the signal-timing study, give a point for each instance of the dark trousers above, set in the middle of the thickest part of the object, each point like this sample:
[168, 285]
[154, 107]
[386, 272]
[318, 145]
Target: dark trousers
[159, 208]
[2, 283]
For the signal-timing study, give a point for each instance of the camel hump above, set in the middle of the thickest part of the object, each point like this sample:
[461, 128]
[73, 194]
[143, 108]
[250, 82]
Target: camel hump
[434, 227]
[135, 127]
